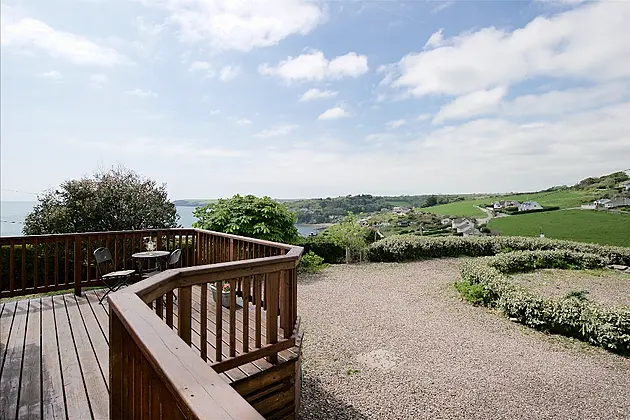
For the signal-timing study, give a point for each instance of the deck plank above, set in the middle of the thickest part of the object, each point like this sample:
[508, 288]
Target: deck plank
[100, 312]
[53, 399]
[95, 335]
[77, 403]
[93, 378]
[6, 321]
[11, 372]
[30, 387]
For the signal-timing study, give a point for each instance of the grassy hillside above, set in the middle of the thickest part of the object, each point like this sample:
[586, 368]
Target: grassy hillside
[564, 199]
[577, 225]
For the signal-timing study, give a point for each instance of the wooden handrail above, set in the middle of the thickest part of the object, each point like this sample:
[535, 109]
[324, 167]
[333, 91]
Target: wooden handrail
[149, 343]
[195, 390]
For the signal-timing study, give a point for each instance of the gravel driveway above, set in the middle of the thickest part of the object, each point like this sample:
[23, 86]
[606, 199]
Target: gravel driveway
[393, 341]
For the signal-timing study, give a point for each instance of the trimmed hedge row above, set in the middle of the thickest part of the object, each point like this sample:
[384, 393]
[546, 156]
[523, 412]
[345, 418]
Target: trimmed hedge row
[551, 208]
[410, 247]
[608, 327]
[325, 247]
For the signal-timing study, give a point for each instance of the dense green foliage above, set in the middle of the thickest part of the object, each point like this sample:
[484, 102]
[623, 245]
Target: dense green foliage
[572, 315]
[114, 199]
[411, 248]
[251, 216]
[578, 225]
[325, 247]
[323, 210]
[311, 263]
[606, 182]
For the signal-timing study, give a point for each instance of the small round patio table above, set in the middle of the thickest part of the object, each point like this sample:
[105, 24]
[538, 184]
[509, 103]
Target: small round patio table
[149, 256]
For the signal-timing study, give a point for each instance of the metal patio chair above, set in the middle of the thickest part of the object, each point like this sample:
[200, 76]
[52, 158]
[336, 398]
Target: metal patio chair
[172, 262]
[107, 272]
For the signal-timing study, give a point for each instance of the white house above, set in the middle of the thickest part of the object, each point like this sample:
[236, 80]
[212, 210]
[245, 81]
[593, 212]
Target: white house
[529, 206]
[401, 211]
[601, 202]
[617, 202]
[626, 187]
[505, 203]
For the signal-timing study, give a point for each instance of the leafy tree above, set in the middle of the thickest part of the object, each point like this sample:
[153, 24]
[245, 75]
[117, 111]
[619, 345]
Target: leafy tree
[252, 216]
[113, 199]
[431, 201]
[349, 234]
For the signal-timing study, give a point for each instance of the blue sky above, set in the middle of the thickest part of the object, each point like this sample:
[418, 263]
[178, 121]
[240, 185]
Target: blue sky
[297, 98]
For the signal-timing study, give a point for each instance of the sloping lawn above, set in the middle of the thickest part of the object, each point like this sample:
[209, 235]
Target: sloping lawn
[562, 199]
[577, 225]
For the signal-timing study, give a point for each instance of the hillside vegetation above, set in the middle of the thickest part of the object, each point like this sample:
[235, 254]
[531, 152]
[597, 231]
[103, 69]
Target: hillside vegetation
[585, 191]
[577, 225]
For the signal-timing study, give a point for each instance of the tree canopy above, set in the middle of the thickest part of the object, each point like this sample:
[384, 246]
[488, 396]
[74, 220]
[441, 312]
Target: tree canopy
[251, 216]
[113, 199]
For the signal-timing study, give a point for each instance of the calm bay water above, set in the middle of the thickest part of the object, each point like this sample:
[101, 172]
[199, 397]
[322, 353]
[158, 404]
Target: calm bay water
[12, 214]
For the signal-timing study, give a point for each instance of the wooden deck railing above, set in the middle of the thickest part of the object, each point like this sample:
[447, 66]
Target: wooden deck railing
[160, 366]
[144, 348]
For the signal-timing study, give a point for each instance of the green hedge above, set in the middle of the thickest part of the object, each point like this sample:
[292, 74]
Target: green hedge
[411, 248]
[325, 247]
[608, 327]
[544, 209]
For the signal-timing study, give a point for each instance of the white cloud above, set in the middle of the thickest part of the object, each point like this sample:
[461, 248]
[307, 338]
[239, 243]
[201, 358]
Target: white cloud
[313, 94]
[380, 137]
[424, 116]
[148, 29]
[395, 124]
[215, 112]
[435, 40]
[334, 114]
[32, 34]
[52, 75]
[588, 42]
[561, 102]
[278, 131]
[228, 73]
[201, 67]
[466, 106]
[242, 121]
[98, 80]
[314, 66]
[240, 25]
[141, 93]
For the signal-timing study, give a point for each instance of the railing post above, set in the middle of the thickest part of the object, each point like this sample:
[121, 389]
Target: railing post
[77, 265]
[184, 303]
[231, 249]
[159, 240]
[272, 283]
[197, 249]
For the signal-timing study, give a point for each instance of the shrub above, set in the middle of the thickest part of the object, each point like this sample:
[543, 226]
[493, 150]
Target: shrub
[473, 293]
[411, 247]
[311, 263]
[251, 216]
[325, 247]
[572, 315]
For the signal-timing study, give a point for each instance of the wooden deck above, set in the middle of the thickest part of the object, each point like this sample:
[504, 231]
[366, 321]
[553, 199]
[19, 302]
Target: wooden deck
[54, 355]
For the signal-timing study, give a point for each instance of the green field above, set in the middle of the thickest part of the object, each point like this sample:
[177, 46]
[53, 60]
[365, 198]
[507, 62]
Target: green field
[564, 199]
[577, 225]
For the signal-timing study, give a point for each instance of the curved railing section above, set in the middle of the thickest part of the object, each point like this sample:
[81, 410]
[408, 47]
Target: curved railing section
[162, 360]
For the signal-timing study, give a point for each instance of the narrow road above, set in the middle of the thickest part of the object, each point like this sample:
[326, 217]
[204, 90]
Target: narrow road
[486, 219]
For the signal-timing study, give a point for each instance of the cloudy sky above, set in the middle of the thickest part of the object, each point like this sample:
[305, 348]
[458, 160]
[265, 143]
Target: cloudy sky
[297, 98]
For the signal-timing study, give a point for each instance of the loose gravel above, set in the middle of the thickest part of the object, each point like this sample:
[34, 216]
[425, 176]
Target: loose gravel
[394, 341]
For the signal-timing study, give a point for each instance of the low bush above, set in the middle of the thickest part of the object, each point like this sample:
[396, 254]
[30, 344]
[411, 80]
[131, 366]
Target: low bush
[411, 247]
[473, 293]
[325, 247]
[550, 208]
[311, 263]
[572, 315]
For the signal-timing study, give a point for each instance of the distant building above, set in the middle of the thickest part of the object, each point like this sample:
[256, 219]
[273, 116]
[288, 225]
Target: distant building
[617, 202]
[446, 221]
[626, 187]
[601, 202]
[529, 206]
[401, 211]
[463, 225]
[501, 204]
